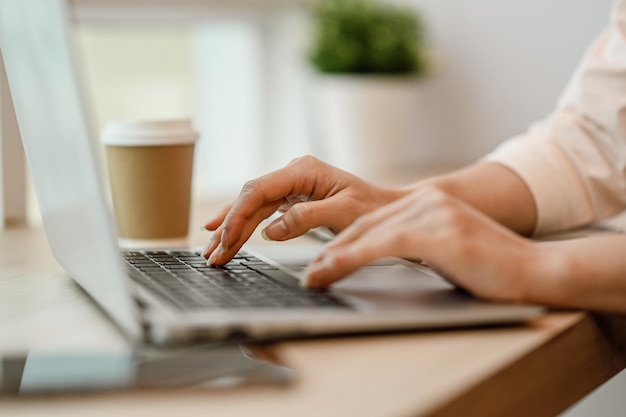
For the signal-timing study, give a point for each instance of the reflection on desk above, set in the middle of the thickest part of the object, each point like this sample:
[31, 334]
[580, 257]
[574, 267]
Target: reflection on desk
[201, 367]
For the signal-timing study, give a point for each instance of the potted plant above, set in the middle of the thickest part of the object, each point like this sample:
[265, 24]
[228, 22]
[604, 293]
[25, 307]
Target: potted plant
[369, 57]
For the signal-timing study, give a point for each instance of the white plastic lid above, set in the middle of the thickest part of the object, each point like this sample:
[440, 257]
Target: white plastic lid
[149, 133]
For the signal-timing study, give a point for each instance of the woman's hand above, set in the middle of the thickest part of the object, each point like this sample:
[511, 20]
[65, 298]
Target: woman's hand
[480, 255]
[310, 193]
[452, 237]
[455, 229]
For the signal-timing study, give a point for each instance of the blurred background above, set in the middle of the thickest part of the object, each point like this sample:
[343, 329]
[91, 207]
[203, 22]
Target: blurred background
[240, 70]
[243, 75]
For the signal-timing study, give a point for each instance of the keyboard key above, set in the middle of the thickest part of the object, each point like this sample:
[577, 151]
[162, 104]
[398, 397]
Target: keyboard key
[182, 278]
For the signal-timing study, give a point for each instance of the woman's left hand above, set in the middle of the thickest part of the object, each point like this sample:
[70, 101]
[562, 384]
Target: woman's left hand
[453, 238]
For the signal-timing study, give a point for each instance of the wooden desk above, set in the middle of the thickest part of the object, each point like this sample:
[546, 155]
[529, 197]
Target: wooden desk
[534, 370]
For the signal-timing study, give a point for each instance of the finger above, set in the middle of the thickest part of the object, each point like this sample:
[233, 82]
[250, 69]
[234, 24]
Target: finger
[303, 179]
[411, 207]
[266, 193]
[237, 231]
[302, 217]
[364, 224]
[342, 262]
[381, 234]
[273, 187]
[218, 219]
[291, 200]
[229, 243]
[225, 246]
[212, 244]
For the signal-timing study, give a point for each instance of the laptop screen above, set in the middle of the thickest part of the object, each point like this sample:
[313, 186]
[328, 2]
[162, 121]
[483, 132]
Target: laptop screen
[37, 49]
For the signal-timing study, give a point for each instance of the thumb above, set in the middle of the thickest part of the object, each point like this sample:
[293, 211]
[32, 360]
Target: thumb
[300, 218]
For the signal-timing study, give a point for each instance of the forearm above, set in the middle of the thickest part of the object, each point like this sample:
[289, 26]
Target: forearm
[587, 273]
[494, 190]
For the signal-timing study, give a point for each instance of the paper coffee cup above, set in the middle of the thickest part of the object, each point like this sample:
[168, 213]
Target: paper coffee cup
[150, 167]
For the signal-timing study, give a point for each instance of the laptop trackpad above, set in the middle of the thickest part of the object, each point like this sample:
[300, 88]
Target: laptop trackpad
[396, 287]
[388, 284]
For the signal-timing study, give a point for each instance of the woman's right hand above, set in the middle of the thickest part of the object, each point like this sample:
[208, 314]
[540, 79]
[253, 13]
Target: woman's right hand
[309, 192]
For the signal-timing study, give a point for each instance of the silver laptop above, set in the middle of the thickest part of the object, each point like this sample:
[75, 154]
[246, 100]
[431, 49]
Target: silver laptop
[253, 297]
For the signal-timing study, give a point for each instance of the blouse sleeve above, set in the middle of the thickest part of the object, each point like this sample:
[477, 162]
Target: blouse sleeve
[574, 161]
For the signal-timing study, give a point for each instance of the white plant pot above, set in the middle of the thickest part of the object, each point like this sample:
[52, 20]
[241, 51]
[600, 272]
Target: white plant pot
[366, 123]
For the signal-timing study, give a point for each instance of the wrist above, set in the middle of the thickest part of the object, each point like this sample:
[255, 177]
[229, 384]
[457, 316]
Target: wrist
[387, 195]
[494, 190]
[546, 277]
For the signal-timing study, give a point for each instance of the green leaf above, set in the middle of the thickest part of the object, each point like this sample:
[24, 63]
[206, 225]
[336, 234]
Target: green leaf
[367, 37]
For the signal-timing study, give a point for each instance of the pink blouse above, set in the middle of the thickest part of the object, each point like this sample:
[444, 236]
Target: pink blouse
[574, 161]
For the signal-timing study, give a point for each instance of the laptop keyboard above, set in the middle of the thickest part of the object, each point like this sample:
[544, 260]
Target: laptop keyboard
[183, 279]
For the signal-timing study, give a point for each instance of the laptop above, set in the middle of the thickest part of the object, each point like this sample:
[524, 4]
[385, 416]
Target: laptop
[171, 296]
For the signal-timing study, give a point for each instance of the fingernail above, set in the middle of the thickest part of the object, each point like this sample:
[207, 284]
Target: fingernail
[314, 273]
[316, 268]
[311, 283]
[206, 249]
[305, 282]
[208, 246]
[276, 230]
[213, 258]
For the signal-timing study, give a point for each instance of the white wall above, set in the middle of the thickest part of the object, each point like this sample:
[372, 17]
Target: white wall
[501, 66]
[504, 64]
